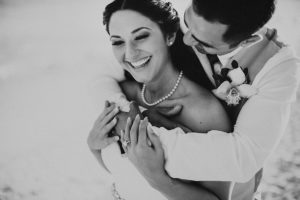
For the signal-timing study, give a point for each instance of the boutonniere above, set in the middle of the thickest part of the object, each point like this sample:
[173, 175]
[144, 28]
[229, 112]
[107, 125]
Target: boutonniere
[234, 84]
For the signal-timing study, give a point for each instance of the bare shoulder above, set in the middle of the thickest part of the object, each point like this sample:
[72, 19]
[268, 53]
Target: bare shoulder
[202, 110]
[130, 89]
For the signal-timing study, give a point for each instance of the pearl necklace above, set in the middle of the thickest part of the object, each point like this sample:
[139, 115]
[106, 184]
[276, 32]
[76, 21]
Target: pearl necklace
[164, 97]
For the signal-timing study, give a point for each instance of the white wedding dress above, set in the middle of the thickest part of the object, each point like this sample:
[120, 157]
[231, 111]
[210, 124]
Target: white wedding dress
[129, 183]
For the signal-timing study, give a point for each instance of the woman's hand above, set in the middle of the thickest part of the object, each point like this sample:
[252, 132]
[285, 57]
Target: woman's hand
[144, 150]
[98, 137]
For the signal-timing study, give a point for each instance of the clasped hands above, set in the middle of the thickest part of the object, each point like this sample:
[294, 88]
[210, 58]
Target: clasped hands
[142, 146]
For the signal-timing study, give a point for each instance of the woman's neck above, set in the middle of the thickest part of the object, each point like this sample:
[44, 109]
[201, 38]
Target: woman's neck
[163, 83]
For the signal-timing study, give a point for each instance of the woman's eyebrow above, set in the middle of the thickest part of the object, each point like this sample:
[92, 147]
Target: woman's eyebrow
[140, 28]
[134, 31]
[114, 36]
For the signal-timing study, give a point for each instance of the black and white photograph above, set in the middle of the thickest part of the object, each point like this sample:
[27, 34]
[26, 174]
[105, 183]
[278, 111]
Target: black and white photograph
[149, 100]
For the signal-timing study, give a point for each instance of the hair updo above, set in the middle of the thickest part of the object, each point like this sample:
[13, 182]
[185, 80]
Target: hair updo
[159, 11]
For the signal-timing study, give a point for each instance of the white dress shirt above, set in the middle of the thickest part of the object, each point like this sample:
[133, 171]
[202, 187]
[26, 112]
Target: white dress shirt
[237, 156]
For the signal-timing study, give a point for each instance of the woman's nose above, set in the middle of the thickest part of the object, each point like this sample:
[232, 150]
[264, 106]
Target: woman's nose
[131, 52]
[188, 39]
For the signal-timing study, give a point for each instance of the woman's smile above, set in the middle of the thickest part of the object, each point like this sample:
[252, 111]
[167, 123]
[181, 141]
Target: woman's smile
[140, 63]
[139, 45]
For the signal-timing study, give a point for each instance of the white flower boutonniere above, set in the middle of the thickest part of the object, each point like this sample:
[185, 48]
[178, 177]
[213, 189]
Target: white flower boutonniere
[234, 86]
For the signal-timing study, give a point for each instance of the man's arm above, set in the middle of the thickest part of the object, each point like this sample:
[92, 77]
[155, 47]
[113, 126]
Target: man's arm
[153, 170]
[239, 155]
[176, 189]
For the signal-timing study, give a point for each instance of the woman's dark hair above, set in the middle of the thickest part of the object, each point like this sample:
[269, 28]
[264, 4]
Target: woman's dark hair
[163, 13]
[243, 17]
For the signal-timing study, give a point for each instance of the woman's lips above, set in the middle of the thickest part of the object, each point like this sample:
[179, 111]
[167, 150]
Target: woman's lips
[140, 63]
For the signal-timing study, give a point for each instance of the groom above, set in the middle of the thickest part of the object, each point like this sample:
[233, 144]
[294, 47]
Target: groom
[228, 34]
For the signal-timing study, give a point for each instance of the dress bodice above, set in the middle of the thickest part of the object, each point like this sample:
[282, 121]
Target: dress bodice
[129, 183]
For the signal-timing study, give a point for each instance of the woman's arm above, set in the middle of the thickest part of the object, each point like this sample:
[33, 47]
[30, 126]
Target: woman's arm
[98, 138]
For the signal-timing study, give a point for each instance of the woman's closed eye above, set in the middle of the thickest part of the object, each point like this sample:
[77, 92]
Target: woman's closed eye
[141, 37]
[117, 43]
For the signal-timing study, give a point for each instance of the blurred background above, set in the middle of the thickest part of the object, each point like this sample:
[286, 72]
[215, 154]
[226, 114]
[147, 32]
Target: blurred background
[51, 54]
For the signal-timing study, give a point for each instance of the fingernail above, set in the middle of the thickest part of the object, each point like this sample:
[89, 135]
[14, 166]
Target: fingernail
[116, 138]
[116, 109]
[137, 117]
[128, 120]
[149, 143]
[115, 120]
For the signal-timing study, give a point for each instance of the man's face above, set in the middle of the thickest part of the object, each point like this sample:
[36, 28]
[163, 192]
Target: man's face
[205, 36]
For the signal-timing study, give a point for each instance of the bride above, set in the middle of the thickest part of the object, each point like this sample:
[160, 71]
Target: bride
[147, 42]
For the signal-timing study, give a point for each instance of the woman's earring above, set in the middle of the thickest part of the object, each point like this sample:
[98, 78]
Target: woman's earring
[170, 43]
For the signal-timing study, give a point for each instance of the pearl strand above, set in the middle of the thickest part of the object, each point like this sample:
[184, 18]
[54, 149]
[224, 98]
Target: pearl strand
[164, 97]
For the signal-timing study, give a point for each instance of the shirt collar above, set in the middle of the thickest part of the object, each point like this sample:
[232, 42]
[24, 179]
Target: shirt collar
[226, 57]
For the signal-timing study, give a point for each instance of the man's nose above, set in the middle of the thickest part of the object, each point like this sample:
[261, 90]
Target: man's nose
[188, 39]
[131, 52]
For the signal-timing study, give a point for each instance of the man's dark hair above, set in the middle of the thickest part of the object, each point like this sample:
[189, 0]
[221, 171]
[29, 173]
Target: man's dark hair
[243, 17]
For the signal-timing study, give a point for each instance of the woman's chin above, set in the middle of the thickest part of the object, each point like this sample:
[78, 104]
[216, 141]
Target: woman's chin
[141, 79]
[141, 76]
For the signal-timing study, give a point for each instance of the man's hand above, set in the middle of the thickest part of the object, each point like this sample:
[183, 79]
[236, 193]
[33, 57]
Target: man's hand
[159, 120]
[144, 150]
[169, 108]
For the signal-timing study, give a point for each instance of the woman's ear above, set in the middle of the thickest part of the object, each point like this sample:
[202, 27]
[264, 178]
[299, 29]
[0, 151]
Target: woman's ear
[251, 40]
[171, 39]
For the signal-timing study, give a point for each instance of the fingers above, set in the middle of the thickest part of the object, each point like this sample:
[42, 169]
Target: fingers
[123, 139]
[155, 142]
[107, 104]
[134, 130]
[107, 109]
[170, 111]
[185, 129]
[111, 140]
[108, 127]
[109, 116]
[126, 135]
[168, 103]
[142, 135]
[97, 141]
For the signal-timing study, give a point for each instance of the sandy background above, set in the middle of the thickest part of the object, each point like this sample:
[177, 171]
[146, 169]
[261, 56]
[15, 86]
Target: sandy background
[51, 53]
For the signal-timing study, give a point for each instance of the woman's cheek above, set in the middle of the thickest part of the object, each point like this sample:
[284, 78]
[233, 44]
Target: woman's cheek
[118, 55]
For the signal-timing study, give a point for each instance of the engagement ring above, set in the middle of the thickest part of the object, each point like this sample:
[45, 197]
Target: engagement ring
[126, 143]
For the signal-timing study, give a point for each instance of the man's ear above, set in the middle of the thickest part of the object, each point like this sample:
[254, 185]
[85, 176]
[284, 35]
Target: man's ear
[251, 40]
[171, 39]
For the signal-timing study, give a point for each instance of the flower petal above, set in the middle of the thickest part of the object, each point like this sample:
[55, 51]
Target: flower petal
[222, 91]
[237, 76]
[247, 90]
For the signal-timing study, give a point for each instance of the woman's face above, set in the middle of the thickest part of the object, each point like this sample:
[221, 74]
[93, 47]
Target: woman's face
[138, 44]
